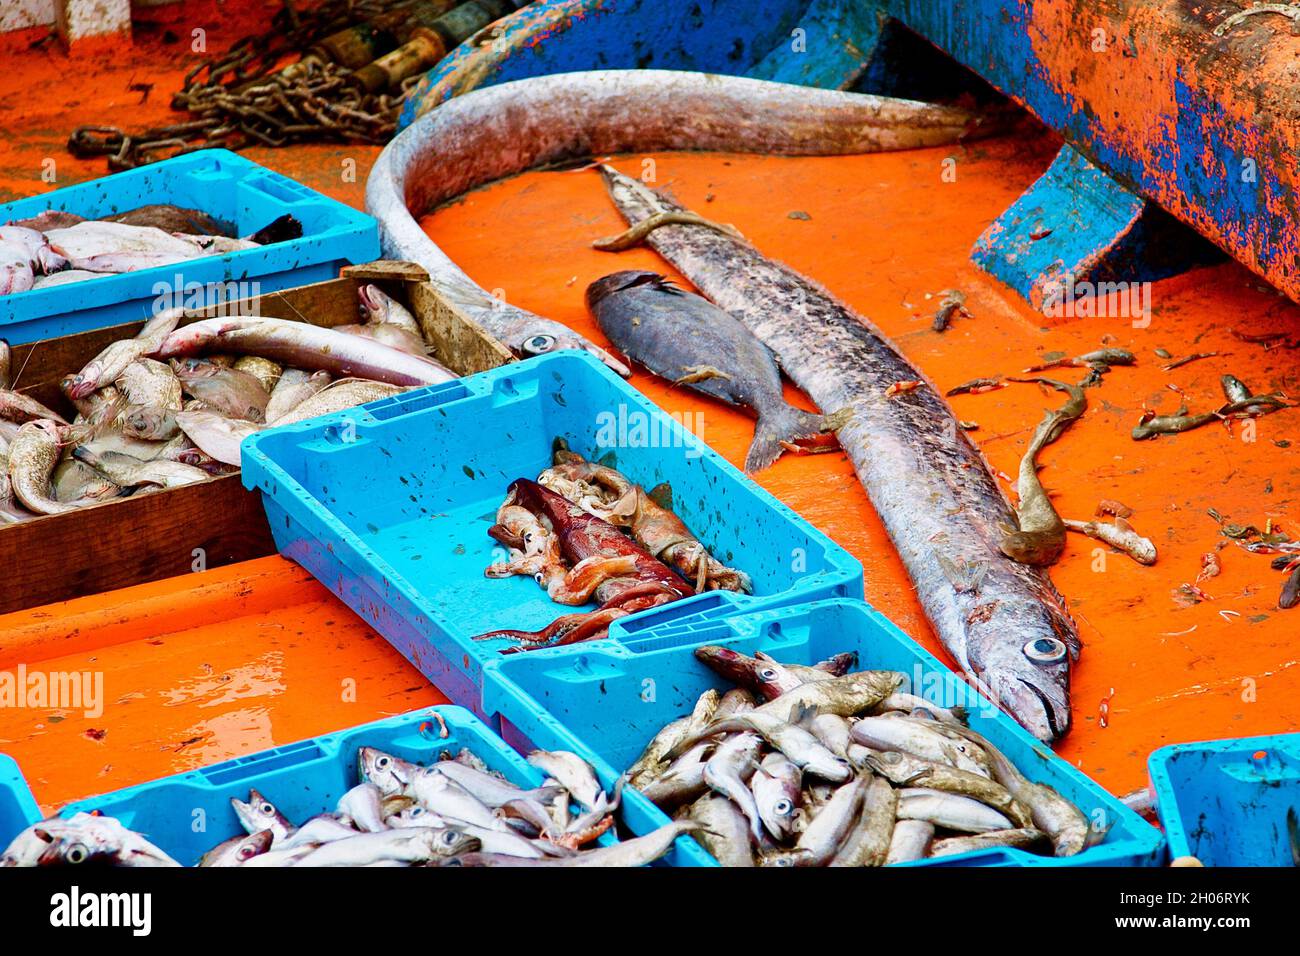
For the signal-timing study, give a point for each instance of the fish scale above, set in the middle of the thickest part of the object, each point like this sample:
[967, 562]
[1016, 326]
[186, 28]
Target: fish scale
[932, 488]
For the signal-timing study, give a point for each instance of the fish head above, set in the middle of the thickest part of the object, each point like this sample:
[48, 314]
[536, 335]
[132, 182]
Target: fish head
[1028, 677]
[28, 847]
[143, 422]
[529, 335]
[84, 383]
[374, 303]
[618, 281]
[452, 841]
[258, 813]
[743, 670]
[390, 774]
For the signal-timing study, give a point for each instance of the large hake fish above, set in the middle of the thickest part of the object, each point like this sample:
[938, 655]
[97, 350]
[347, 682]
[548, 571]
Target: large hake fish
[492, 133]
[1004, 622]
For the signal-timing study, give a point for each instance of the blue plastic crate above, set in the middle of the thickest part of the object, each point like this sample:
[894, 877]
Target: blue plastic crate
[389, 507]
[301, 779]
[608, 702]
[18, 808]
[1225, 801]
[237, 193]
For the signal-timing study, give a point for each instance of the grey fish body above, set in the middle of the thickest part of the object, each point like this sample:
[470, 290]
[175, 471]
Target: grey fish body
[867, 843]
[931, 487]
[728, 772]
[687, 339]
[910, 841]
[32, 457]
[726, 832]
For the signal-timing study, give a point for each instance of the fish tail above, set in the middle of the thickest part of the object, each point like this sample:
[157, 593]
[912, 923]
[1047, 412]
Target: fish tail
[780, 430]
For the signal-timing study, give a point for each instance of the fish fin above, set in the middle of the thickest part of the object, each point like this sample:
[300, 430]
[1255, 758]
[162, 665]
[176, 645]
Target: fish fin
[281, 229]
[662, 495]
[782, 428]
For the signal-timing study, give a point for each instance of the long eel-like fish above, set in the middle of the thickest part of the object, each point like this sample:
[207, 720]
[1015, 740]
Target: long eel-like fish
[1004, 622]
[492, 133]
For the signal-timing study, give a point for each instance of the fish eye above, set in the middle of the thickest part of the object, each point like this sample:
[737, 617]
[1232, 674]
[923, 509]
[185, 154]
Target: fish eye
[1045, 650]
[767, 674]
[77, 853]
[538, 344]
[843, 760]
[782, 807]
[247, 852]
[267, 809]
[450, 837]
[382, 763]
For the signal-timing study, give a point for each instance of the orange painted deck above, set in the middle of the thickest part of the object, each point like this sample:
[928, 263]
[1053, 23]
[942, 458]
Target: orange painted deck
[195, 670]
[883, 232]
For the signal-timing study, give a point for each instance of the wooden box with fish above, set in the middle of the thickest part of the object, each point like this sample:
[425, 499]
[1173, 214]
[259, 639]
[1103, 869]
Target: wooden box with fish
[872, 751]
[162, 407]
[440, 536]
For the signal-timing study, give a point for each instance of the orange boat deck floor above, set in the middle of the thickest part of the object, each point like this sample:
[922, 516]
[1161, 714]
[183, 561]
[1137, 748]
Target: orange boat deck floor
[883, 232]
[195, 670]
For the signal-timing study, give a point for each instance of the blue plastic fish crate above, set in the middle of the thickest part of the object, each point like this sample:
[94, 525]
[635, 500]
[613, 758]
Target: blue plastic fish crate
[608, 702]
[236, 192]
[18, 808]
[389, 506]
[302, 779]
[1225, 802]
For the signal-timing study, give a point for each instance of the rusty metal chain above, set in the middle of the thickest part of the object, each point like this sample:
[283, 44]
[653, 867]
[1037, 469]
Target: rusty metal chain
[239, 98]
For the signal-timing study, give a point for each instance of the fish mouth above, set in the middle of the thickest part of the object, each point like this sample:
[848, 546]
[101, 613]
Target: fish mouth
[1041, 707]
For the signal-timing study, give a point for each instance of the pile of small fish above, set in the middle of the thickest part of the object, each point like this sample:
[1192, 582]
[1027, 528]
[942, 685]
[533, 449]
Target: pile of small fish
[586, 531]
[818, 766]
[58, 248]
[454, 812]
[1241, 403]
[170, 406]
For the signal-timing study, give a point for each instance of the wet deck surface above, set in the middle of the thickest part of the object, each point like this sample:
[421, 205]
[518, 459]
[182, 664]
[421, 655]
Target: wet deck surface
[882, 232]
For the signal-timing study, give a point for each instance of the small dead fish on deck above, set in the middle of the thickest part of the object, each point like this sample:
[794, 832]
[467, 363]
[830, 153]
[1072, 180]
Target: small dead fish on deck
[689, 340]
[1120, 535]
[976, 386]
[1151, 425]
[1107, 357]
[1039, 537]
[953, 303]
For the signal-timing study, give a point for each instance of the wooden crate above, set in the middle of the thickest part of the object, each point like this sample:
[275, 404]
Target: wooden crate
[146, 537]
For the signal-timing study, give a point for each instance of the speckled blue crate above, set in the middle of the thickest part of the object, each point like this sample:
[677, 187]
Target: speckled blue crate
[189, 813]
[18, 808]
[389, 507]
[236, 192]
[608, 702]
[1225, 802]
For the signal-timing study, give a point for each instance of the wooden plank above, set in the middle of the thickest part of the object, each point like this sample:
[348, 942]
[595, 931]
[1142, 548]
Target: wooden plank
[450, 332]
[142, 538]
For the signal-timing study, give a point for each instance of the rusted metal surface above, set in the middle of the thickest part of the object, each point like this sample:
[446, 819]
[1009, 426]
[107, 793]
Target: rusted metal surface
[1207, 126]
